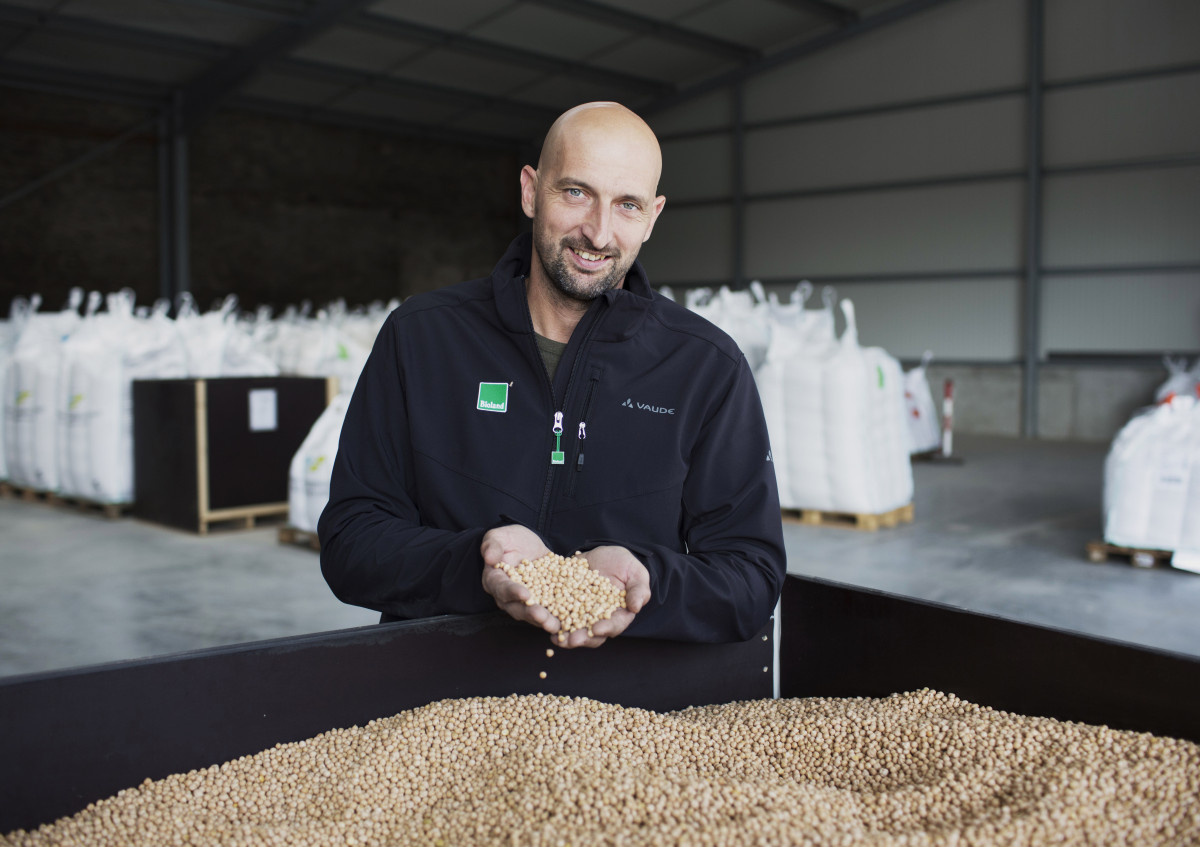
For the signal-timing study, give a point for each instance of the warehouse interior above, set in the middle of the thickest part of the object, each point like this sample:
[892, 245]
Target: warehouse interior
[970, 224]
[1013, 185]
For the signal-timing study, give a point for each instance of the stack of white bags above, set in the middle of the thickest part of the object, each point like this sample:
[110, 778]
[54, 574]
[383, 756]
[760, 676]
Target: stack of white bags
[836, 411]
[1152, 473]
[66, 378]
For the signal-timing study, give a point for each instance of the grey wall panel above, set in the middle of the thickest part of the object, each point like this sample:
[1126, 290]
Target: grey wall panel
[1128, 217]
[1090, 37]
[1130, 120]
[957, 47]
[697, 167]
[956, 319]
[966, 138]
[1146, 313]
[712, 111]
[931, 229]
[690, 246]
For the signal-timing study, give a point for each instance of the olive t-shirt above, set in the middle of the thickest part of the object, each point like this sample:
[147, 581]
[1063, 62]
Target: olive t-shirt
[551, 353]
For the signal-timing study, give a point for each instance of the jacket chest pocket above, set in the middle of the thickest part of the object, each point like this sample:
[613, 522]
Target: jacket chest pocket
[623, 453]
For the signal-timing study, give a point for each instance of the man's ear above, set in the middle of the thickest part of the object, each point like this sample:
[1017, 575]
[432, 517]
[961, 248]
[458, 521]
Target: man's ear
[659, 203]
[529, 181]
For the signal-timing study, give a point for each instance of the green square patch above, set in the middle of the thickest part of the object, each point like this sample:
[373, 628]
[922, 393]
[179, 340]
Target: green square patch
[493, 397]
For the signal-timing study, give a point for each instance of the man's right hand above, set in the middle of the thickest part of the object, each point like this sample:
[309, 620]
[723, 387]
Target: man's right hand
[509, 545]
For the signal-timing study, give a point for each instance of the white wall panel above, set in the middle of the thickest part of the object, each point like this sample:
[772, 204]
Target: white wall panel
[1150, 312]
[975, 319]
[1129, 120]
[690, 246]
[957, 47]
[697, 168]
[1092, 37]
[1128, 217]
[966, 138]
[933, 229]
[712, 111]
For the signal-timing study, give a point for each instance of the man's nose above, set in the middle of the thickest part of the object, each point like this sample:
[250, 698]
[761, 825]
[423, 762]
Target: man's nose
[597, 228]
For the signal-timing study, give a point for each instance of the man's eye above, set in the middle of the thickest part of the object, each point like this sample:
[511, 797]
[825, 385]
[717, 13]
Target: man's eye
[629, 207]
[575, 192]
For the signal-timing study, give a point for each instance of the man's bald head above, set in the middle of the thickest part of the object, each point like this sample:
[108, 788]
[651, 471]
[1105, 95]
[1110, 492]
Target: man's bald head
[610, 123]
[592, 200]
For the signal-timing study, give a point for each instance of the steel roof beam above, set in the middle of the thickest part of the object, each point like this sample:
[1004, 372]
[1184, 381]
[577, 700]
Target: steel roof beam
[644, 25]
[309, 69]
[88, 85]
[323, 72]
[373, 124]
[839, 14]
[205, 93]
[123, 36]
[377, 24]
[863, 26]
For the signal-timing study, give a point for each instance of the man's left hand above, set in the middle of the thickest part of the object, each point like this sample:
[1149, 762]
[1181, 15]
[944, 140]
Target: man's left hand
[625, 571]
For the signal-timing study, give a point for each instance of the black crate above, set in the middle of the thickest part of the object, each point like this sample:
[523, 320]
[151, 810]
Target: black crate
[196, 459]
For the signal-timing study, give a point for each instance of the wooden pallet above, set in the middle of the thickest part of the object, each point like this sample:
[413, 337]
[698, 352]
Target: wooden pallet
[299, 537]
[1102, 551]
[244, 517]
[850, 520]
[112, 511]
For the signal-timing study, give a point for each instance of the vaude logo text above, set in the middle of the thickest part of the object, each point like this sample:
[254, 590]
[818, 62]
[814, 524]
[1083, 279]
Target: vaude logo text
[661, 410]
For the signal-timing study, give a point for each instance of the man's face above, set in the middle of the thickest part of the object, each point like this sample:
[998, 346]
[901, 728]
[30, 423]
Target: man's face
[593, 207]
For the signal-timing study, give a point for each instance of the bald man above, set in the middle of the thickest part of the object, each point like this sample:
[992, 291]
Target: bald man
[561, 405]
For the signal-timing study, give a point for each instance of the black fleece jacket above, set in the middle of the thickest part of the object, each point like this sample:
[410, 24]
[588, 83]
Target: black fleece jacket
[664, 451]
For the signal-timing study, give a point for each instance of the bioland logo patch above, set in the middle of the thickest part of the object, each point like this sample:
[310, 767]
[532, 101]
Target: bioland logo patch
[493, 397]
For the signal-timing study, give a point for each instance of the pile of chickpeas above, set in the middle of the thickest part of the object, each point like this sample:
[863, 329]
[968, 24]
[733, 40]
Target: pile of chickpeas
[921, 768]
[569, 589]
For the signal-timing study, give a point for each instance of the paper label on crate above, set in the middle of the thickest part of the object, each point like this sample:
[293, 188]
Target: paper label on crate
[264, 410]
[493, 397]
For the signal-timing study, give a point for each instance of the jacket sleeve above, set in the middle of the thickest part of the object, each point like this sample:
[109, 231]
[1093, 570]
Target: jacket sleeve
[725, 586]
[374, 550]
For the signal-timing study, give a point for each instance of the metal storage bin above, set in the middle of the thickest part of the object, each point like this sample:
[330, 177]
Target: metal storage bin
[76, 736]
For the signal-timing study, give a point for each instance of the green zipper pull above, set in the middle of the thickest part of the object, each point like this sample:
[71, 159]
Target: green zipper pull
[557, 456]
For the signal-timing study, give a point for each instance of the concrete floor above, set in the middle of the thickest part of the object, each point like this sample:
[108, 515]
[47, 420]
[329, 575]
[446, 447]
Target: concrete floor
[1003, 533]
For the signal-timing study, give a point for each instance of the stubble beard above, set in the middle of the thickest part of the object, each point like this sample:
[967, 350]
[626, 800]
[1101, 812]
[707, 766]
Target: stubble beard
[558, 270]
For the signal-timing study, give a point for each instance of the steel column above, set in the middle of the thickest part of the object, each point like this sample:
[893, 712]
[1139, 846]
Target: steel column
[174, 266]
[739, 186]
[1032, 313]
[166, 253]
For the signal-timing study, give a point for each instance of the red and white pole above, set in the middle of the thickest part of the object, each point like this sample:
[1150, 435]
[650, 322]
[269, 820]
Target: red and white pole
[948, 418]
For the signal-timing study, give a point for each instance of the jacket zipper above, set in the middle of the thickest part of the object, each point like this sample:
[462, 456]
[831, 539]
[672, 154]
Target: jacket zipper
[544, 512]
[581, 434]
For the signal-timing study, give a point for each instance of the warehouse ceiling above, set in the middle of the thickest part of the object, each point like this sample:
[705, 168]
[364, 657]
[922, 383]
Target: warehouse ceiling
[485, 71]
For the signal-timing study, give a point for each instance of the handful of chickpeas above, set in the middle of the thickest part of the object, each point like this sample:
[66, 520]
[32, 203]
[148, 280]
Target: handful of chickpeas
[569, 589]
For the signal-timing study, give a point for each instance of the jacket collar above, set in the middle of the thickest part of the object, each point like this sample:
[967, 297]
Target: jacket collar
[625, 307]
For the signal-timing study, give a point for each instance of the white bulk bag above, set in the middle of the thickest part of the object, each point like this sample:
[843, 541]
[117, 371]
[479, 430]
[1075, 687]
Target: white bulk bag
[102, 360]
[86, 357]
[18, 312]
[1148, 476]
[312, 466]
[31, 428]
[864, 414]
[332, 351]
[791, 383]
[217, 345]
[1180, 381]
[921, 415]
[743, 315]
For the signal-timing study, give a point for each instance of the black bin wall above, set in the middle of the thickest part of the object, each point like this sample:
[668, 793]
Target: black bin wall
[85, 734]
